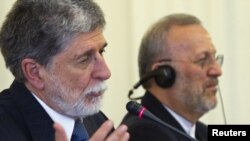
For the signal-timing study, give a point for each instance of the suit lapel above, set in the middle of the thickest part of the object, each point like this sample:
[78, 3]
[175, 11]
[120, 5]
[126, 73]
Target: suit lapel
[154, 106]
[201, 131]
[93, 122]
[37, 120]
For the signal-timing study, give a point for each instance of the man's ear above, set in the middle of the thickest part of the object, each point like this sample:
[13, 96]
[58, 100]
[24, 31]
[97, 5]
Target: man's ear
[32, 72]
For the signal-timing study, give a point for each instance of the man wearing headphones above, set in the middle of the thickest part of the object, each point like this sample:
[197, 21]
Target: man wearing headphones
[179, 71]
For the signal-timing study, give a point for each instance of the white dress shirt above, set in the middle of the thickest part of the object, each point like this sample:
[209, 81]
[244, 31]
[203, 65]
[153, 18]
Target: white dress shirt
[66, 122]
[188, 127]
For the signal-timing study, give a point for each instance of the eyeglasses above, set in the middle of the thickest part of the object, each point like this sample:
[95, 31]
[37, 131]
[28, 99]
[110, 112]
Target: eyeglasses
[204, 62]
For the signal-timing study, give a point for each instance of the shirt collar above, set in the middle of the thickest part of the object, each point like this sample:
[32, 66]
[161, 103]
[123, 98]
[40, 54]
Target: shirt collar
[188, 127]
[66, 122]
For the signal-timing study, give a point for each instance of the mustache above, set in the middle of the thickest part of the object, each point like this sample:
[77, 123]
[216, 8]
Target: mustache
[99, 87]
[212, 82]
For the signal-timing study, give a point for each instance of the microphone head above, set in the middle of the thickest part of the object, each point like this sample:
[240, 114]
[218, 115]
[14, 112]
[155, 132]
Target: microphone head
[133, 107]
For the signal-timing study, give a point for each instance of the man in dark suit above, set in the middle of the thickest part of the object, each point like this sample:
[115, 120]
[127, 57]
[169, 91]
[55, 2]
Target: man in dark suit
[54, 49]
[179, 70]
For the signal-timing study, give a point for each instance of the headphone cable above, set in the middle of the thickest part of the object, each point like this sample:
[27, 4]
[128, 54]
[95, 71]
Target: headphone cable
[130, 94]
[222, 106]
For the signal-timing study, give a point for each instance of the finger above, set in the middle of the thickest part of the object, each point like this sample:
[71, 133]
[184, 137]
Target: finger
[120, 134]
[125, 137]
[60, 134]
[102, 132]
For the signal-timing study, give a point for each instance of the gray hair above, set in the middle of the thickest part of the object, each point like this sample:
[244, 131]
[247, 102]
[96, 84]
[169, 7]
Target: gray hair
[154, 42]
[40, 29]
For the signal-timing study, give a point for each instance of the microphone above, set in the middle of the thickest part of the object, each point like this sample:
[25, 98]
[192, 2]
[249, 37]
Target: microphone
[137, 109]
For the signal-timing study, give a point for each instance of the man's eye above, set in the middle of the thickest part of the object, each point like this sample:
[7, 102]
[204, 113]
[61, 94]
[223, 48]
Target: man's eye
[84, 59]
[201, 62]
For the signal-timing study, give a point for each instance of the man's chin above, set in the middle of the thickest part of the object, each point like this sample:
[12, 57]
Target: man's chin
[82, 115]
[89, 114]
[87, 111]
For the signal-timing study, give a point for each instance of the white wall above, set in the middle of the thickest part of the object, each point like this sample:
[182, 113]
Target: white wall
[228, 22]
[5, 76]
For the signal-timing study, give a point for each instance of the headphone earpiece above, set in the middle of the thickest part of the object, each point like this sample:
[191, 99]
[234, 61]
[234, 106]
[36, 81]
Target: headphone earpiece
[165, 76]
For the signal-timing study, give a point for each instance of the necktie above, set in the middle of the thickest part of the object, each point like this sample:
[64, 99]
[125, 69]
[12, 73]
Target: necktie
[79, 132]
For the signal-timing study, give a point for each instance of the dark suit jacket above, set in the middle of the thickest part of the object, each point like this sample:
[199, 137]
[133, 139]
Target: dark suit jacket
[22, 118]
[148, 130]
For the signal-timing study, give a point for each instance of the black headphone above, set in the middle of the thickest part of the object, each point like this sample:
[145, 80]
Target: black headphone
[164, 77]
